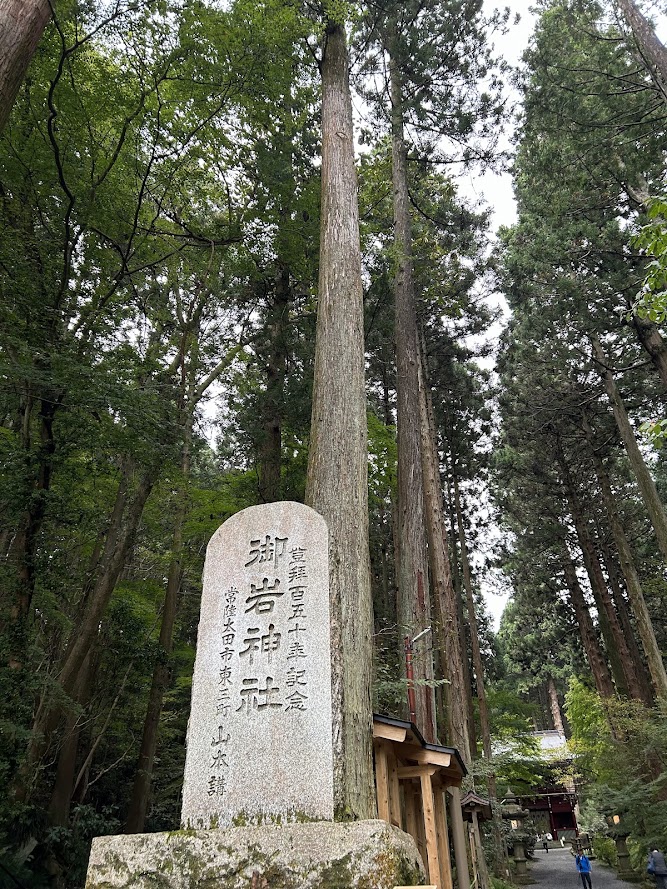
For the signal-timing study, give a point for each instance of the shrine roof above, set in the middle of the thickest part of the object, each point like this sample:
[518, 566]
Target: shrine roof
[413, 734]
[480, 804]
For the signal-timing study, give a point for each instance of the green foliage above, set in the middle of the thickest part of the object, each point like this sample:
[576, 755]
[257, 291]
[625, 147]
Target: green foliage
[590, 739]
[381, 461]
[159, 217]
[604, 849]
[591, 821]
[652, 239]
[651, 301]
[655, 431]
[497, 883]
[142, 177]
[511, 719]
[620, 748]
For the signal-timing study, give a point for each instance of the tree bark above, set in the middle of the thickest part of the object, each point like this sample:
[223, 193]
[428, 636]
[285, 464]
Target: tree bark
[63, 788]
[22, 24]
[649, 492]
[499, 863]
[633, 585]
[118, 543]
[651, 49]
[270, 450]
[139, 799]
[337, 481]
[478, 664]
[21, 552]
[457, 583]
[615, 583]
[125, 519]
[554, 705]
[615, 642]
[652, 341]
[445, 604]
[589, 639]
[413, 601]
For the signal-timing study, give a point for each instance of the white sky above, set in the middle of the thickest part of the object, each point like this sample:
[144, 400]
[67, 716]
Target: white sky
[495, 190]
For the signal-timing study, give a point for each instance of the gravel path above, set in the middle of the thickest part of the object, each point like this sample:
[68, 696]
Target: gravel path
[556, 869]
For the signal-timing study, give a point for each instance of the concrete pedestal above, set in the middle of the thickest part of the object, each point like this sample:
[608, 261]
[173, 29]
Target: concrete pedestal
[520, 864]
[319, 855]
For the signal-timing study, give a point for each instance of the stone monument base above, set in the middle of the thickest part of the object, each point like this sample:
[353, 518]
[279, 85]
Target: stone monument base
[317, 855]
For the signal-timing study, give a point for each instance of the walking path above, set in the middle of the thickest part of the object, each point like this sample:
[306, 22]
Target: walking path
[556, 869]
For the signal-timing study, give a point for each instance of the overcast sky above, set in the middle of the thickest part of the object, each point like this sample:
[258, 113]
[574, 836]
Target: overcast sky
[495, 190]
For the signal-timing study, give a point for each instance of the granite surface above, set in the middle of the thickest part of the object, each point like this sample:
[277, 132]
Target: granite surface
[259, 745]
[356, 855]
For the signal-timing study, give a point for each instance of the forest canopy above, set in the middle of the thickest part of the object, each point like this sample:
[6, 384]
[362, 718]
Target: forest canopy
[221, 221]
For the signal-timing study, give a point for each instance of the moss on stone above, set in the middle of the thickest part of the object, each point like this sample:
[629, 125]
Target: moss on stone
[338, 874]
[198, 860]
[258, 819]
[390, 869]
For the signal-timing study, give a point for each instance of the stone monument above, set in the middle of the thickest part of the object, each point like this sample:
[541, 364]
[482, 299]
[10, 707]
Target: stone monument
[261, 696]
[258, 788]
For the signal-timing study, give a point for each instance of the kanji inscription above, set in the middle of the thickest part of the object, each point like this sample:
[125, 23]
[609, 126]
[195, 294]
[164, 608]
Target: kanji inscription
[259, 738]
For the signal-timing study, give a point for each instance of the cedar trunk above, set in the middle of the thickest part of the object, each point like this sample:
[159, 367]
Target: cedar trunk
[270, 450]
[448, 636]
[337, 483]
[22, 24]
[477, 662]
[616, 586]
[499, 849]
[651, 339]
[554, 705]
[633, 585]
[413, 601]
[589, 639]
[463, 636]
[652, 502]
[617, 647]
[651, 50]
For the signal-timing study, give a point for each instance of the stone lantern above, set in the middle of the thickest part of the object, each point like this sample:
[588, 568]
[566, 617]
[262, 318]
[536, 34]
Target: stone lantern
[515, 814]
[619, 832]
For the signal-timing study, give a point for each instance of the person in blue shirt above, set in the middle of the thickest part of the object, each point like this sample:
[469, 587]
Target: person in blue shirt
[584, 868]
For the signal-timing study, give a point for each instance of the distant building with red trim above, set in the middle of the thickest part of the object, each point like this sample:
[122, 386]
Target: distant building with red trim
[553, 806]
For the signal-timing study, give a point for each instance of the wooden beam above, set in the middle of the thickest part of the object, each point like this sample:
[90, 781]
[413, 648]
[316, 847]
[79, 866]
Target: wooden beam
[443, 840]
[394, 789]
[409, 795]
[425, 757]
[389, 732]
[459, 837]
[432, 856]
[382, 781]
[416, 771]
[421, 833]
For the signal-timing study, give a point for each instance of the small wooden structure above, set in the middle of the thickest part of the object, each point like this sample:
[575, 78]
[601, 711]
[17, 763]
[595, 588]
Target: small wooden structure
[474, 804]
[413, 780]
